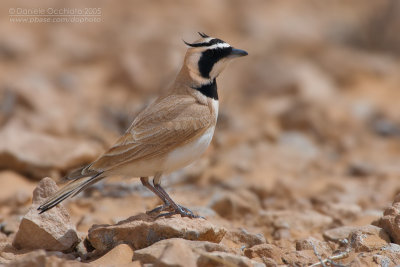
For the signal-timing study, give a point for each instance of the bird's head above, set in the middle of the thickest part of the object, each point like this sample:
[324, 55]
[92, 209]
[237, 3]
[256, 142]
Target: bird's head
[207, 57]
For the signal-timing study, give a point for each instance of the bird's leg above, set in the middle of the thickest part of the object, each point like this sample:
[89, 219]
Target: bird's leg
[176, 209]
[145, 182]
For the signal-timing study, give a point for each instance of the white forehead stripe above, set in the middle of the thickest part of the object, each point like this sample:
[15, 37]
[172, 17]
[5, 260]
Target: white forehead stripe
[219, 45]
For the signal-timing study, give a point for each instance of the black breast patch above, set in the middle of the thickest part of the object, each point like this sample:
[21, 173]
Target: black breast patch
[209, 90]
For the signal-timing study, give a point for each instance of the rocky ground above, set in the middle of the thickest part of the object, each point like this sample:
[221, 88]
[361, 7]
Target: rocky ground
[304, 166]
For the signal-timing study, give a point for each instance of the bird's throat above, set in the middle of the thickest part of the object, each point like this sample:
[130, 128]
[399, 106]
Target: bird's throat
[209, 89]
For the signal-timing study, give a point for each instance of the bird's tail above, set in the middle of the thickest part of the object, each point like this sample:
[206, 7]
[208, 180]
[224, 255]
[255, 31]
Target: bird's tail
[70, 190]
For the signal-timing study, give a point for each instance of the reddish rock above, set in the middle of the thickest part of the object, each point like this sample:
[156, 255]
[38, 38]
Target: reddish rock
[309, 243]
[344, 212]
[294, 221]
[339, 234]
[142, 231]
[362, 238]
[40, 258]
[166, 252]
[368, 238]
[218, 258]
[121, 254]
[299, 258]
[266, 252]
[244, 238]
[52, 230]
[390, 251]
[382, 260]
[14, 187]
[37, 154]
[235, 205]
[390, 221]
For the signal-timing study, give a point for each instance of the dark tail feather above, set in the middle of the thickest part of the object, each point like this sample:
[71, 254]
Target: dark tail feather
[93, 180]
[48, 205]
[80, 173]
[70, 189]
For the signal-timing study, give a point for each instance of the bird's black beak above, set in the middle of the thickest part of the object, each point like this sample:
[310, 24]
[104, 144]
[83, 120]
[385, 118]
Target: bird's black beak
[237, 53]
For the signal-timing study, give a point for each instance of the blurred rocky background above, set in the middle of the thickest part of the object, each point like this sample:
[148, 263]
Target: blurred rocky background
[304, 165]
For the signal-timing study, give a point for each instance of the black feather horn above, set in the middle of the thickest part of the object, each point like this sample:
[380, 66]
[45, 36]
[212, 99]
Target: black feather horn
[202, 34]
[189, 44]
[196, 45]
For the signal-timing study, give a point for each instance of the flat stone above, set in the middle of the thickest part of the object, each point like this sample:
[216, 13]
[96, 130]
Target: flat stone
[40, 258]
[338, 234]
[165, 252]
[234, 205]
[299, 258]
[36, 154]
[244, 238]
[368, 238]
[294, 220]
[142, 231]
[309, 243]
[265, 252]
[121, 254]
[217, 258]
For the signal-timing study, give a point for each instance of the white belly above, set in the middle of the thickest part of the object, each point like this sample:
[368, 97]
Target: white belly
[188, 153]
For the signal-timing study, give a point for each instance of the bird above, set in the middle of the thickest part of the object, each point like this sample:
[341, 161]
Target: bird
[167, 135]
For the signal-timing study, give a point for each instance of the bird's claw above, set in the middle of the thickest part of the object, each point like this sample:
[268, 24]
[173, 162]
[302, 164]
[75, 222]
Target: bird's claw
[158, 209]
[184, 212]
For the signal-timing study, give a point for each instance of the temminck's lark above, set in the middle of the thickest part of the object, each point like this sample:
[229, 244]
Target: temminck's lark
[169, 134]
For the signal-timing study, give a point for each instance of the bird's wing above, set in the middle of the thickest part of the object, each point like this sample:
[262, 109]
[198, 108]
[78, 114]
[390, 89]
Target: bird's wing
[169, 123]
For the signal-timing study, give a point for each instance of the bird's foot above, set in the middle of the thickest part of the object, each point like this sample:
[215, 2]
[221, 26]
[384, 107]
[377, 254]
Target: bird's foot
[158, 209]
[184, 212]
